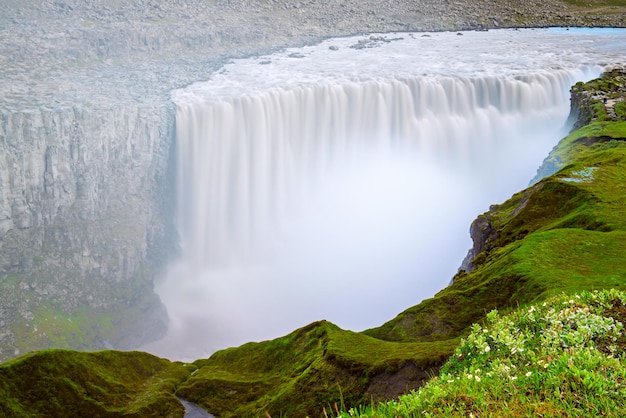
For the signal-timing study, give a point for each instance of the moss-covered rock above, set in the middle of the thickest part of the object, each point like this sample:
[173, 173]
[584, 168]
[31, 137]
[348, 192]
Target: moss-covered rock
[64, 383]
[314, 368]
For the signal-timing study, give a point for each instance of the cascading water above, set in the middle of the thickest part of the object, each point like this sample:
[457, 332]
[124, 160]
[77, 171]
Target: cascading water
[339, 183]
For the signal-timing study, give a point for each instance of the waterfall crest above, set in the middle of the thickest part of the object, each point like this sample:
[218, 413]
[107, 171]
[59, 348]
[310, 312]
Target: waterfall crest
[247, 163]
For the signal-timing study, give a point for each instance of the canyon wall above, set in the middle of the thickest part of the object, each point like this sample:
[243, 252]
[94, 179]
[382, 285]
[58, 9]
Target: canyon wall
[83, 198]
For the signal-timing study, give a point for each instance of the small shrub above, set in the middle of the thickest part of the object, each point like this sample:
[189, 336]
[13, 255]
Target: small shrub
[562, 356]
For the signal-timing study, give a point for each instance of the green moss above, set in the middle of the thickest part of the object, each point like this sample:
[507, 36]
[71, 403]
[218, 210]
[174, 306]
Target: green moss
[620, 109]
[597, 3]
[58, 383]
[312, 368]
[10, 281]
[52, 327]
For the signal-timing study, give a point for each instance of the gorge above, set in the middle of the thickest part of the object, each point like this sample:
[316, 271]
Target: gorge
[86, 171]
[108, 192]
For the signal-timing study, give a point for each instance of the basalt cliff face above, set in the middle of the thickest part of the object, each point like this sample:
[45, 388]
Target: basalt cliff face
[80, 219]
[86, 128]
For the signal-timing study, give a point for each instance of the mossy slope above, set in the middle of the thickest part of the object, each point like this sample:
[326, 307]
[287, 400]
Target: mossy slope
[64, 383]
[316, 367]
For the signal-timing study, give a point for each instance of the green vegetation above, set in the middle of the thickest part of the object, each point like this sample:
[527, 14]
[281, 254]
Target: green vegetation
[10, 281]
[62, 383]
[52, 327]
[597, 3]
[563, 357]
[48, 323]
[312, 368]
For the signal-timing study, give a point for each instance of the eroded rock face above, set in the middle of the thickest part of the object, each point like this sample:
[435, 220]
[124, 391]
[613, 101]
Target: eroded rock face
[482, 232]
[83, 195]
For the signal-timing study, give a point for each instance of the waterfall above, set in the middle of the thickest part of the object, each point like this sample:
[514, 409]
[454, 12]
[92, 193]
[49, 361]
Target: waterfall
[247, 163]
[296, 199]
[337, 183]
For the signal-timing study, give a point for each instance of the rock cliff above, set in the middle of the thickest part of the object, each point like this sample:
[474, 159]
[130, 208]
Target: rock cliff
[80, 217]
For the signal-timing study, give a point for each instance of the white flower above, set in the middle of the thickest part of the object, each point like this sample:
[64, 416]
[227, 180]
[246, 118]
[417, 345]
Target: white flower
[477, 378]
[487, 349]
[528, 374]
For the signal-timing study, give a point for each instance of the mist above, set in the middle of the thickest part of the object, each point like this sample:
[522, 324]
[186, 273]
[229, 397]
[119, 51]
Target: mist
[340, 198]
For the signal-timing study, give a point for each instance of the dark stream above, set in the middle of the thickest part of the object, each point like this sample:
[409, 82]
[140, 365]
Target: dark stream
[194, 411]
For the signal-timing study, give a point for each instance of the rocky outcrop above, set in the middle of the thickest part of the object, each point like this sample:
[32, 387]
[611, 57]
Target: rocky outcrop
[589, 102]
[482, 232]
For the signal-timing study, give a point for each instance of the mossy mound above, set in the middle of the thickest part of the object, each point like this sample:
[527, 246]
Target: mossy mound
[314, 368]
[64, 383]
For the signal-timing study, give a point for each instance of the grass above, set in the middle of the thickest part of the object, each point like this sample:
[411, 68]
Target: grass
[306, 371]
[57, 383]
[52, 327]
[562, 357]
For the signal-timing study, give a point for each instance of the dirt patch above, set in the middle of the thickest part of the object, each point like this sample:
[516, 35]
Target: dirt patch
[389, 385]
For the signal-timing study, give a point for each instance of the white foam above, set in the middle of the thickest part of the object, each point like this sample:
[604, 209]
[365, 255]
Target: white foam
[340, 185]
